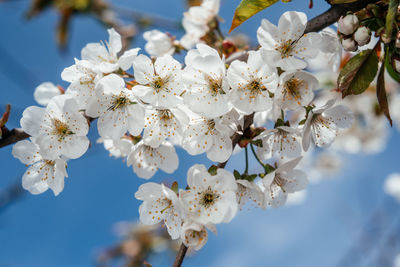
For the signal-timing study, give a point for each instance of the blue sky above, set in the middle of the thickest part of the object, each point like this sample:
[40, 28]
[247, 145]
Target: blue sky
[71, 229]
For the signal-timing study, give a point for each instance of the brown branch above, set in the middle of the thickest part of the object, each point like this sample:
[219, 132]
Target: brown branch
[13, 136]
[180, 256]
[334, 13]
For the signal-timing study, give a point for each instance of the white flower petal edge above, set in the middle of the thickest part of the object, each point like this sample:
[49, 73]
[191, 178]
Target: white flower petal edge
[323, 124]
[42, 173]
[160, 204]
[285, 46]
[283, 181]
[209, 199]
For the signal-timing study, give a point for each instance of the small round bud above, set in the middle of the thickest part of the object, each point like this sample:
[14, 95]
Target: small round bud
[362, 36]
[348, 24]
[349, 44]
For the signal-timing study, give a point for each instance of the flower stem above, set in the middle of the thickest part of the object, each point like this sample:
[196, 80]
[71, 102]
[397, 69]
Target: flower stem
[255, 155]
[180, 256]
[247, 160]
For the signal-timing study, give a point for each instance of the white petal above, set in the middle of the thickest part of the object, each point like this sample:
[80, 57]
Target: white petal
[126, 60]
[292, 25]
[27, 152]
[45, 92]
[143, 69]
[115, 44]
[31, 120]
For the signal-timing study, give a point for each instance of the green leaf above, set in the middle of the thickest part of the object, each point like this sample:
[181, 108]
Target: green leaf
[381, 93]
[390, 17]
[247, 9]
[237, 175]
[394, 74]
[268, 168]
[358, 73]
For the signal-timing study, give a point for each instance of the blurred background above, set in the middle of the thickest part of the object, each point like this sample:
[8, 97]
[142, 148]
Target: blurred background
[344, 219]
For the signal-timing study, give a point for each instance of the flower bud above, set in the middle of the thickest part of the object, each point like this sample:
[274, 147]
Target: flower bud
[348, 24]
[362, 36]
[349, 44]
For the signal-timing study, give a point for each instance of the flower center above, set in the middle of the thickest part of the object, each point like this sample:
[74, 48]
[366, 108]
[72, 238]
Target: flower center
[319, 119]
[208, 197]
[292, 88]
[279, 181]
[61, 129]
[211, 127]
[119, 101]
[159, 83]
[285, 48]
[165, 114]
[215, 86]
[255, 87]
[168, 204]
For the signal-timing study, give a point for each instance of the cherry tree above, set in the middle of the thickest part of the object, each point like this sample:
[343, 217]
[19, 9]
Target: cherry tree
[270, 102]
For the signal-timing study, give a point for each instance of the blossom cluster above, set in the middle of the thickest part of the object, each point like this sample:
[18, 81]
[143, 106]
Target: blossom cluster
[199, 105]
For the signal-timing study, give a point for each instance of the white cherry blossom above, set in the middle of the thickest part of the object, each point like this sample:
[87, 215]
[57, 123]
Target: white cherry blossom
[208, 135]
[158, 43]
[283, 141]
[284, 45]
[146, 160]
[58, 129]
[330, 55]
[323, 124]
[295, 89]
[83, 77]
[160, 204]
[209, 199]
[117, 148]
[283, 181]
[252, 83]
[194, 235]
[45, 92]
[105, 55]
[42, 173]
[159, 83]
[249, 192]
[162, 124]
[207, 85]
[117, 109]
[196, 22]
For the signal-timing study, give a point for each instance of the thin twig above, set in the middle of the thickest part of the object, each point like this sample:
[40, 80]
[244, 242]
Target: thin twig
[180, 256]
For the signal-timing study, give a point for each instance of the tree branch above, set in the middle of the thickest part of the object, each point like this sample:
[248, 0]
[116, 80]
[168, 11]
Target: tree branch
[180, 256]
[13, 136]
[334, 13]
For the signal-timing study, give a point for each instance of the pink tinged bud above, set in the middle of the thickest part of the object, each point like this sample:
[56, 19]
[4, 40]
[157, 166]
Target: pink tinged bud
[348, 24]
[349, 44]
[362, 36]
